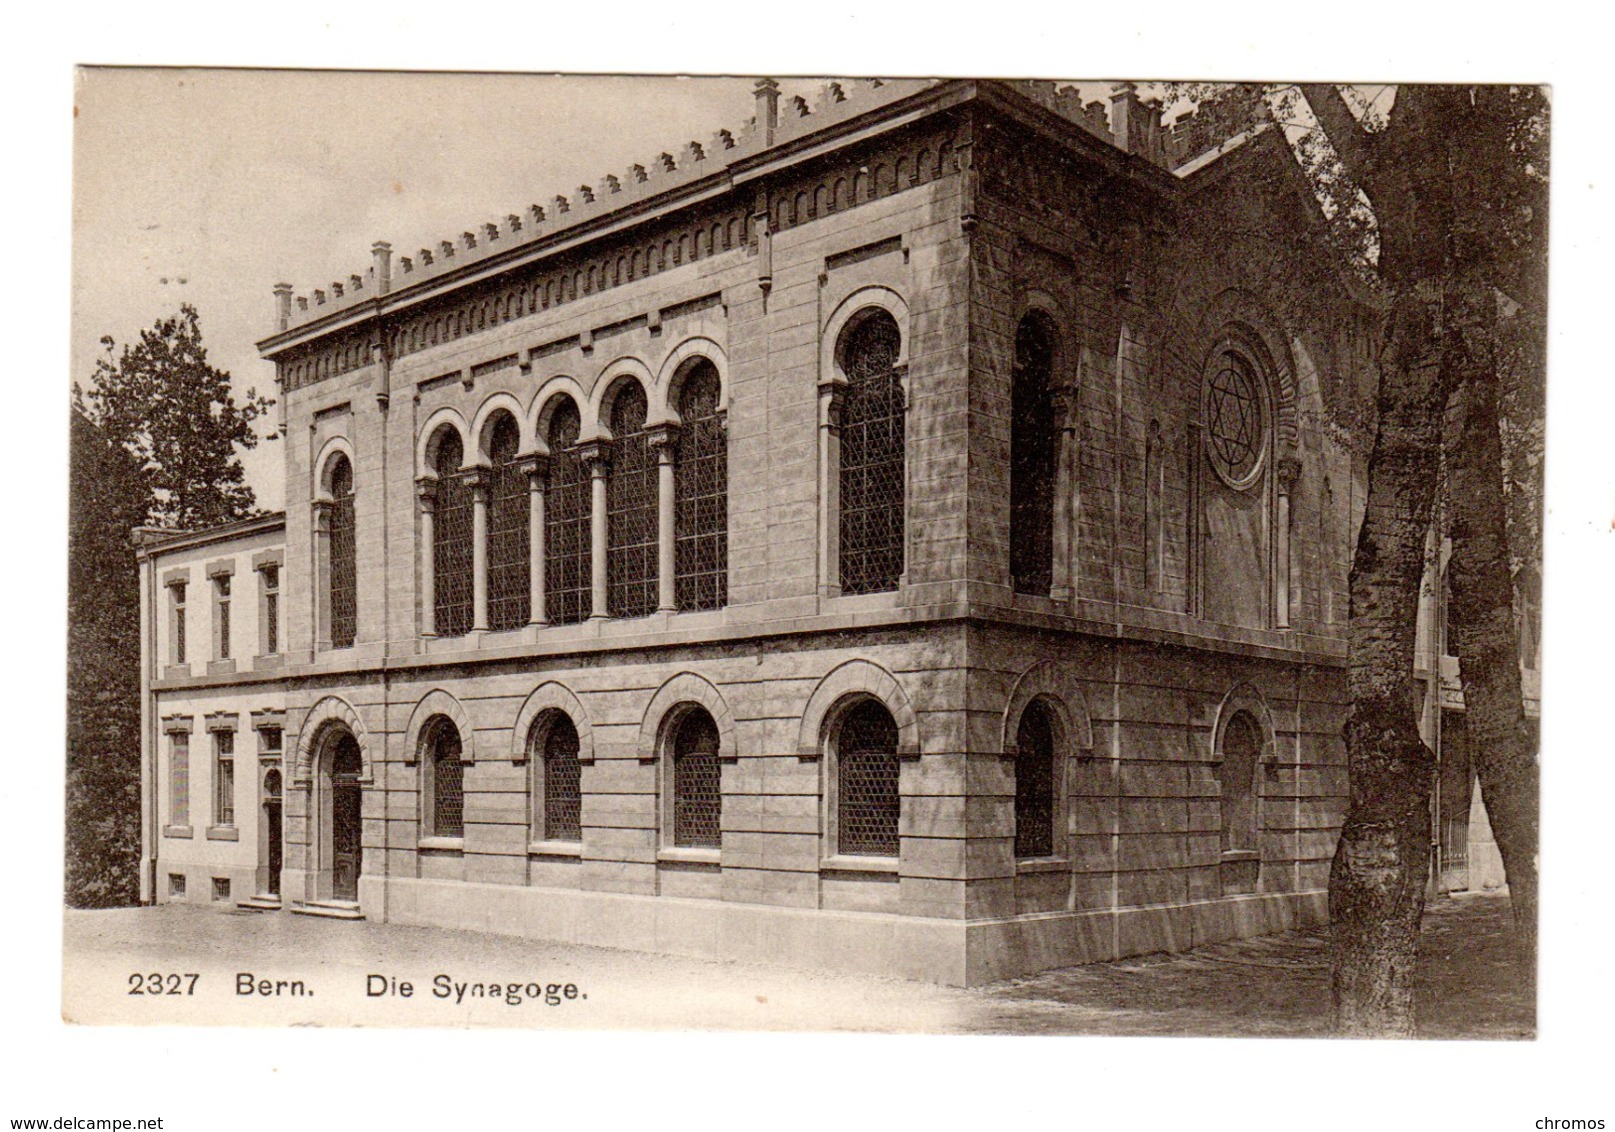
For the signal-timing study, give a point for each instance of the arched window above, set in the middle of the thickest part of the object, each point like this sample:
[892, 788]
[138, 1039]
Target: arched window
[1236, 774]
[1034, 783]
[558, 807]
[701, 494]
[871, 474]
[444, 781]
[566, 521]
[867, 805]
[509, 588]
[1032, 453]
[342, 576]
[631, 531]
[452, 534]
[697, 795]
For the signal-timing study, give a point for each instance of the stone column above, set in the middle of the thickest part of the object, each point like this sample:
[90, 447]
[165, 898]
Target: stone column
[830, 393]
[477, 480]
[426, 492]
[599, 463]
[663, 440]
[537, 471]
[321, 589]
[1289, 468]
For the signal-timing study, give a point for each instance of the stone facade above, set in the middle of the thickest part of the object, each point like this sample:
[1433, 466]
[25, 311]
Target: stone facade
[1181, 639]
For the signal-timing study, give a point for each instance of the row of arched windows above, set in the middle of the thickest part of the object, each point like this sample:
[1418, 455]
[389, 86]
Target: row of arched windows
[494, 508]
[513, 542]
[864, 781]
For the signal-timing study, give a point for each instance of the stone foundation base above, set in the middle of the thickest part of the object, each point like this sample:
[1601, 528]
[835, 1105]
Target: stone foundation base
[953, 952]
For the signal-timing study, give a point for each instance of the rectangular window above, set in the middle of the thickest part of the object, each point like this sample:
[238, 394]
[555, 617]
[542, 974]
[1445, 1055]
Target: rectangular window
[221, 888]
[271, 585]
[269, 741]
[221, 595]
[224, 778]
[176, 620]
[176, 884]
[179, 779]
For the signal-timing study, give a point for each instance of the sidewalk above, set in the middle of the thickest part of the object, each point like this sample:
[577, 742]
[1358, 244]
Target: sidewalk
[1276, 986]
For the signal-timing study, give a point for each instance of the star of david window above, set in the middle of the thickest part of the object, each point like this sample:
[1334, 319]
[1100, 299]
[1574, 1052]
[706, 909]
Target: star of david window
[1236, 423]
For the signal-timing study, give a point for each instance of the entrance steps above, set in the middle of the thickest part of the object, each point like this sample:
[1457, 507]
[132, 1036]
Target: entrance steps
[260, 903]
[329, 909]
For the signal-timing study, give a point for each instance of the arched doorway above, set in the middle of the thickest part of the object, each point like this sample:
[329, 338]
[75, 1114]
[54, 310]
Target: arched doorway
[273, 826]
[340, 853]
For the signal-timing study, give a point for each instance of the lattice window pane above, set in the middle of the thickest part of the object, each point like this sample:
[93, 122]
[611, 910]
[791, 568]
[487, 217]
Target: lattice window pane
[631, 511]
[344, 575]
[697, 792]
[271, 581]
[701, 491]
[1033, 447]
[871, 459]
[452, 542]
[867, 803]
[448, 784]
[509, 547]
[1034, 784]
[567, 508]
[221, 586]
[563, 783]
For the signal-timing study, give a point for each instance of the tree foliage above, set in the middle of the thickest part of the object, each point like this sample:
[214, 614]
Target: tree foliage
[107, 497]
[155, 441]
[176, 414]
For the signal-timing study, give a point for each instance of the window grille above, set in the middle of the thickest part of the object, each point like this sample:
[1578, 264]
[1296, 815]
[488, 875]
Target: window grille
[563, 783]
[1033, 446]
[866, 782]
[567, 511]
[701, 493]
[344, 577]
[631, 511]
[178, 614]
[271, 578]
[1235, 431]
[224, 778]
[1034, 784]
[176, 884]
[179, 779]
[697, 793]
[452, 536]
[448, 782]
[509, 587]
[221, 591]
[221, 888]
[871, 458]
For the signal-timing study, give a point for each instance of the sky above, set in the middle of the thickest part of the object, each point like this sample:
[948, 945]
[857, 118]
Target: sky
[211, 186]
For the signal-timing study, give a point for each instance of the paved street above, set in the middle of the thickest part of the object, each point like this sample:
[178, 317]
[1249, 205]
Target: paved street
[307, 971]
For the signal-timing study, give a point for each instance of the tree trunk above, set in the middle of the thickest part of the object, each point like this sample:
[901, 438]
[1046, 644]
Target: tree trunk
[1377, 880]
[1482, 631]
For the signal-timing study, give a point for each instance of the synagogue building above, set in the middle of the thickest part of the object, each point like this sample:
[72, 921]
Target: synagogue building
[901, 535]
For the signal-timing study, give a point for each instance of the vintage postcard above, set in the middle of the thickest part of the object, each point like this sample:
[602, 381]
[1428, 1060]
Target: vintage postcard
[811, 554]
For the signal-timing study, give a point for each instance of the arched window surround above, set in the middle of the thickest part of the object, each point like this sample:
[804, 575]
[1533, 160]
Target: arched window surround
[441, 753]
[1241, 785]
[859, 305]
[336, 546]
[549, 702]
